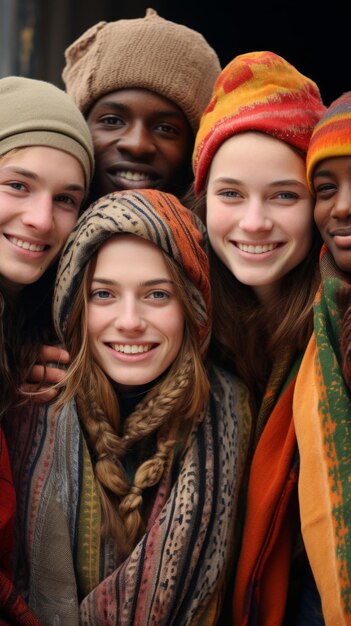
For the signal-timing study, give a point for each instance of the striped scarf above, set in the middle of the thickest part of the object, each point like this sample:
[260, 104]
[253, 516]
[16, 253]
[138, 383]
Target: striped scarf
[177, 572]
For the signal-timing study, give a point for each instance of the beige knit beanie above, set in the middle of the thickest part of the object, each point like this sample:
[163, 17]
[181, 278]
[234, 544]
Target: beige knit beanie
[152, 53]
[37, 113]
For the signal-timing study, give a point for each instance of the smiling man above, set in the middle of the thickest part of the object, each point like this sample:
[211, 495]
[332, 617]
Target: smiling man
[142, 85]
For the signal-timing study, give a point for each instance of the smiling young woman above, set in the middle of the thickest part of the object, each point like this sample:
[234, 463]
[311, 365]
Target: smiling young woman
[253, 195]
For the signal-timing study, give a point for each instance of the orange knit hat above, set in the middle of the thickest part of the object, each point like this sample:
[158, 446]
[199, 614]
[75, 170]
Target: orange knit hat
[331, 136]
[257, 91]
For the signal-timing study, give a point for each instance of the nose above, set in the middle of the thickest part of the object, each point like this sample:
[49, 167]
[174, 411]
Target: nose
[137, 140]
[129, 316]
[39, 213]
[255, 218]
[342, 204]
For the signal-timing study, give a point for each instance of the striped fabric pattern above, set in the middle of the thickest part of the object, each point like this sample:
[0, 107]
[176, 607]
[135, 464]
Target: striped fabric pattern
[257, 91]
[153, 215]
[331, 136]
[176, 573]
[322, 415]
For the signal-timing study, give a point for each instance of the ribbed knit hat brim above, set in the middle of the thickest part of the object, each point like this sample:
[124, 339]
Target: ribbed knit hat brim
[37, 113]
[331, 136]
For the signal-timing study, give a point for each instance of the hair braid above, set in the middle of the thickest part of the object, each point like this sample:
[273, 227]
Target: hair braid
[165, 400]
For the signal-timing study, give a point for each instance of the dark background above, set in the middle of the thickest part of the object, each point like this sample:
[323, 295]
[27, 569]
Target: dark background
[314, 37]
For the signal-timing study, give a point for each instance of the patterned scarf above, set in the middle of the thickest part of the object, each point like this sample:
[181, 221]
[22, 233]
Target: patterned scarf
[322, 414]
[177, 572]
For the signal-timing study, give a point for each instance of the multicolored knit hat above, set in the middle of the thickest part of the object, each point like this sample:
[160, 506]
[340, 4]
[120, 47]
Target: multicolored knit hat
[331, 136]
[36, 113]
[152, 53]
[153, 215]
[258, 91]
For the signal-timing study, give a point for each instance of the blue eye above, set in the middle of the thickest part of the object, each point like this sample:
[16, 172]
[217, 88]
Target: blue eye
[159, 295]
[101, 294]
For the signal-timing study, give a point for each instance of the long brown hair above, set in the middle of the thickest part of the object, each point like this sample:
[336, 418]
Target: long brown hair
[165, 415]
[245, 336]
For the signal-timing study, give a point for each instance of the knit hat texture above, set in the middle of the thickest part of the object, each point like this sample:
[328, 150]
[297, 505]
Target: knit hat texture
[152, 53]
[331, 136]
[258, 91]
[153, 215]
[37, 113]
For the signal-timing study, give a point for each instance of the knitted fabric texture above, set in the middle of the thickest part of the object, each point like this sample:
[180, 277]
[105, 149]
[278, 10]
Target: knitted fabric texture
[331, 136]
[152, 215]
[258, 91]
[152, 53]
[36, 113]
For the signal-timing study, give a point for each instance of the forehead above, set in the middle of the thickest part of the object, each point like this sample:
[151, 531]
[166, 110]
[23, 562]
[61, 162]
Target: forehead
[132, 247]
[136, 98]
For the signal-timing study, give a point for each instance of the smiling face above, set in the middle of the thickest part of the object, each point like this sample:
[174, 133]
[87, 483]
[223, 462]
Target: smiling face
[135, 317]
[141, 140]
[259, 210]
[332, 213]
[41, 190]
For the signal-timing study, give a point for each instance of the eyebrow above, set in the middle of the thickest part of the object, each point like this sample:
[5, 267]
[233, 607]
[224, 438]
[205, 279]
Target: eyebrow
[321, 173]
[147, 283]
[121, 107]
[33, 176]
[276, 183]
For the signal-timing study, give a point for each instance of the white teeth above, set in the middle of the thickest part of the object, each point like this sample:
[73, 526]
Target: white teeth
[257, 249]
[26, 245]
[136, 176]
[131, 349]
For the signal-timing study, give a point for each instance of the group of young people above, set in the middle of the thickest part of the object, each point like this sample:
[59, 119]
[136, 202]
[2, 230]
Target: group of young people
[192, 464]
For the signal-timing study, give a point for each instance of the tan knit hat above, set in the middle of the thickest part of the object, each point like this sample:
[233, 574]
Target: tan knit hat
[36, 113]
[152, 53]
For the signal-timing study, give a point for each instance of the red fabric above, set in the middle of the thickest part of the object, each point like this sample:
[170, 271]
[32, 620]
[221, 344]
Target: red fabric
[7, 508]
[262, 576]
[13, 609]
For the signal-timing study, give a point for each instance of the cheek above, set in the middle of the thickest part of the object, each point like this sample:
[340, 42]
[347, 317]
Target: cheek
[218, 223]
[321, 215]
[96, 321]
[66, 224]
[177, 157]
[173, 326]
[304, 237]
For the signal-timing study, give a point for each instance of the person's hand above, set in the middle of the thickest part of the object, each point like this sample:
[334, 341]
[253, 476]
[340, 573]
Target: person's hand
[40, 379]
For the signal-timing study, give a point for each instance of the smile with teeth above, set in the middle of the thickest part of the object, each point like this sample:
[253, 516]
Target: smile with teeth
[20, 243]
[135, 176]
[131, 349]
[256, 249]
